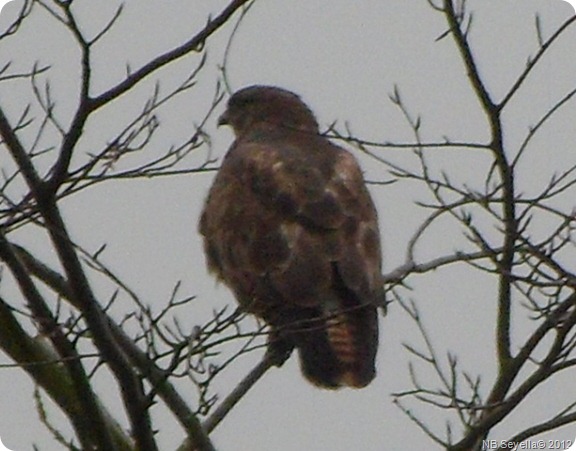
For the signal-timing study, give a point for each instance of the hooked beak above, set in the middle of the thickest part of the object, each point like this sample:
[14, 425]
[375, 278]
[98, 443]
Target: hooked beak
[223, 119]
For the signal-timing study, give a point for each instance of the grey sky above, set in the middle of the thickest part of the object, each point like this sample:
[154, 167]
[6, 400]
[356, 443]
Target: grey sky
[344, 58]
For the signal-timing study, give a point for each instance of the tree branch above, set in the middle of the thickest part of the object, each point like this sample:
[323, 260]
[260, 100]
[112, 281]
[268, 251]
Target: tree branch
[534, 61]
[45, 367]
[508, 193]
[192, 45]
[90, 427]
[157, 377]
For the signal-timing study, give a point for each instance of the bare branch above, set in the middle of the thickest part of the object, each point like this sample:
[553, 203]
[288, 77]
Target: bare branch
[90, 428]
[193, 45]
[534, 61]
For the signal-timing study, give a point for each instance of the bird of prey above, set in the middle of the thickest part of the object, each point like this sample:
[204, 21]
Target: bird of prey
[291, 229]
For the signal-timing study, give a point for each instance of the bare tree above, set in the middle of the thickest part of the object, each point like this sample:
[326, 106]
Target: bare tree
[501, 222]
[140, 350]
[64, 333]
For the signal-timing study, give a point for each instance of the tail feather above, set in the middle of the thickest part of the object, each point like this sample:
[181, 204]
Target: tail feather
[336, 340]
[338, 350]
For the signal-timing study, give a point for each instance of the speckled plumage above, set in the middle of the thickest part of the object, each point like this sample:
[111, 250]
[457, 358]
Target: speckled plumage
[290, 227]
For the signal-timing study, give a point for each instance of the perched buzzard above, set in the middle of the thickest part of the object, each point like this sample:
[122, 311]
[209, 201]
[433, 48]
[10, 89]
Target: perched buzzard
[289, 226]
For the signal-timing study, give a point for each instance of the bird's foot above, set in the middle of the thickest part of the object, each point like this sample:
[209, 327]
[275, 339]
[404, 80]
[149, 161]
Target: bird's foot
[279, 350]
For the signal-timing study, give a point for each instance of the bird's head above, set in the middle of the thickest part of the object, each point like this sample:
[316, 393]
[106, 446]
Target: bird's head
[264, 107]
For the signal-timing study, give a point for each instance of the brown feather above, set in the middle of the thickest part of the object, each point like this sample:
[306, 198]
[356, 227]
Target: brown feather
[290, 227]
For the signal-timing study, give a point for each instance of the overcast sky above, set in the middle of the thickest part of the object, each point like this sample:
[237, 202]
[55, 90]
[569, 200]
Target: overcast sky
[344, 58]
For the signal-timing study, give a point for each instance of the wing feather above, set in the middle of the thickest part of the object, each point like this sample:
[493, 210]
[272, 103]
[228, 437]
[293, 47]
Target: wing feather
[291, 228]
[285, 203]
